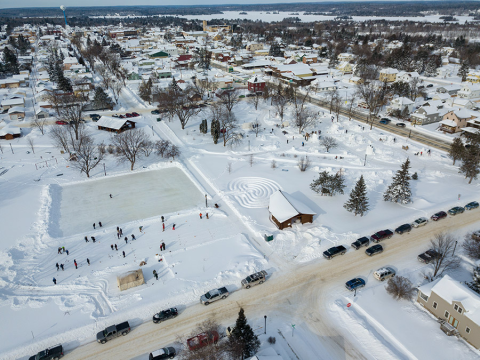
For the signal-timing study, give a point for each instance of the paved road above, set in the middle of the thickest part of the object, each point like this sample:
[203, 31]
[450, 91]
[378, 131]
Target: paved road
[304, 293]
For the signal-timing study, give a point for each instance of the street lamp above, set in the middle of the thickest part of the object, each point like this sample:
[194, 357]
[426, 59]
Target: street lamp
[265, 324]
[454, 247]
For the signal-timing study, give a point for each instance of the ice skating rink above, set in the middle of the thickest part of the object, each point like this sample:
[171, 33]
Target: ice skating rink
[135, 196]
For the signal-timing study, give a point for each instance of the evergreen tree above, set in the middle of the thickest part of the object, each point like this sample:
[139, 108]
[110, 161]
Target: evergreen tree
[203, 127]
[104, 42]
[64, 83]
[457, 150]
[358, 202]
[471, 163]
[145, 90]
[275, 50]
[10, 61]
[333, 60]
[243, 337]
[399, 189]
[215, 130]
[101, 100]
[463, 71]
[173, 86]
[327, 184]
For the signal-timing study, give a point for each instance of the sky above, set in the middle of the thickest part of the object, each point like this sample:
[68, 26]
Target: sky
[56, 3]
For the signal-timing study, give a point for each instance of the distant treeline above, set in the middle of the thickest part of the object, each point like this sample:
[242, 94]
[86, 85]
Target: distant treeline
[377, 8]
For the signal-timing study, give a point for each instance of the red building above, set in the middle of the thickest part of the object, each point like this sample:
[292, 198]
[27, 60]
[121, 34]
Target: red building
[256, 84]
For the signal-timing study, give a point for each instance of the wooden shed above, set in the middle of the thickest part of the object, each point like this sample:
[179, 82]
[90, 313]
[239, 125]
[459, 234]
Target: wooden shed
[115, 125]
[286, 210]
[10, 132]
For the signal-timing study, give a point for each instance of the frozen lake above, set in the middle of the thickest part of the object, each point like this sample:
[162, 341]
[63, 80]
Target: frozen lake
[134, 196]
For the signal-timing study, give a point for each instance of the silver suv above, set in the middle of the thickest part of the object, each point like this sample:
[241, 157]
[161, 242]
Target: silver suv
[254, 279]
[384, 273]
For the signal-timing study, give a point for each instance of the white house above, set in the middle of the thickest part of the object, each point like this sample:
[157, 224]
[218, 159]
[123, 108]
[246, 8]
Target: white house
[469, 91]
[401, 103]
[407, 76]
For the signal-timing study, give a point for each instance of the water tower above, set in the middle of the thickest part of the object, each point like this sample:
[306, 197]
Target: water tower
[62, 7]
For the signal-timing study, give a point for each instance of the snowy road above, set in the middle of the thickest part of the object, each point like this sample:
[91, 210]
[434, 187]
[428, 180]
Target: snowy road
[306, 294]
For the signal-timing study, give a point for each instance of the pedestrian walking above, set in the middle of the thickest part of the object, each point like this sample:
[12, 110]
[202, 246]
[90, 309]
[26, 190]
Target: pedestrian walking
[140, 228]
[86, 239]
[55, 281]
[163, 245]
[123, 252]
[88, 261]
[346, 131]
[303, 144]
[75, 262]
[118, 235]
[163, 226]
[200, 215]
[63, 249]
[126, 240]
[287, 141]
[121, 232]
[163, 219]
[60, 249]
[93, 239]
[100, 223]
[118, 229]
[110, 196]
[206, 215]
[111, 246]
[173, 227]
[133, 236]
[155, 274]
[66, 251]
[94, 225]
[62, 267]
[116, 247]
[58, 266]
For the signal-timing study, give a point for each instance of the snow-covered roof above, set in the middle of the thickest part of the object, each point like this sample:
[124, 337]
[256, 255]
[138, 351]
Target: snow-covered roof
[256, 79]
[283, 206]
[462, 114]
[111, 123]
[70, 60]
[403, 101]
[450, 123]
[10, 130]
[16, 109]
[158, 352]
[9, 102]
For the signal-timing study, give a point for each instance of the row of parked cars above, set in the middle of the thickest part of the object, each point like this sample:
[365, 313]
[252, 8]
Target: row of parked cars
[379, 236]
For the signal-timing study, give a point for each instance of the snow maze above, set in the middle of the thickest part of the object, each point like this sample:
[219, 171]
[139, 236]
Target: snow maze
[252, 192]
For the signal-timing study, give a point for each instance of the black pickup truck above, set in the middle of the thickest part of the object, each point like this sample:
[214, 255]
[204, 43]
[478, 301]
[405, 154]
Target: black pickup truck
[113, 331]
[334, 251]
[428, 256]
[53, 353]
[363, 241]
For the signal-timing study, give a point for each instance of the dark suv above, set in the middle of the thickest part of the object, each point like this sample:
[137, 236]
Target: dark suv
[363, 241]
[439, 215]
[374, 250]
[381, 235]
[403, 228]
[165, 315]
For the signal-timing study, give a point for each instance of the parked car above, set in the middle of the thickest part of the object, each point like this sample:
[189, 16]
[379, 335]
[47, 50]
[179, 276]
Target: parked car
[122, 116]
[52, 353]
[374, 250]
[355, 284]
[334, 251]
[214, 295]
[61, 122]
[384, 121]
[254, 279]
[439, 215]
[430, 85]
[113, 331]
[115, 115]
[128, 115]
[456, 210]
[428, 256]
[403, 228]
[363, 241]
[165, 353]
[202, 340]
[400, 124]
[381, 235]
[94, 115]
[471, 205]
[135, 114]
[384, 273]
[165, 315]
[420, 222]
[428, 98]
[155, 112]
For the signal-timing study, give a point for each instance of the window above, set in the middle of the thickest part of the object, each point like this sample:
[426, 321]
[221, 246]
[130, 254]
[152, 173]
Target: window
[447, 314]
[460, 310]
[423, 296]
[467, 330]
[435, 305]
[455, 307]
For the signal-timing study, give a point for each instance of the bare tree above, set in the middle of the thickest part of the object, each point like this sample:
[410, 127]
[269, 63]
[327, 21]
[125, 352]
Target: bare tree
[129, 145]
[212, 351]
[280, 100]
[353, 97]
[70, 108]
[39, 124]
[329, 143]
[374, 97]
[148, 147]
[304, 118]
[179, 103]
[256, 128]
[400, 288]
[443, 244]
[173, 151]
[304, 163]
[255, 100]
[229, 99]
[229, 128]
[337, 107]
[60, 137]
[161, 147]
[88, 154]
[471, 245]
[105, 74]
[117, 87]
[30, 142]
[332, 96]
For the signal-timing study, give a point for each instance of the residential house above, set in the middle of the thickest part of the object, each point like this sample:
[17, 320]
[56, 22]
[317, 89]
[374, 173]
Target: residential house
[356, 80]
[345, 67]
[10, 132]
[286, 211]
[407, 76]
[456, 305]
[309, 59]
[469, 91]
[345, 57]
[254, 47]
[473, 125]
[427, 115]
[115, 125]
[255, 84]
[401, 103]
[451, 90]
[388, 75]
[460, 102]
[454, 120]
[16, 113]
[41, 113]
[9, 103]
[68, 62]
[157, 54]
[9, 83]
